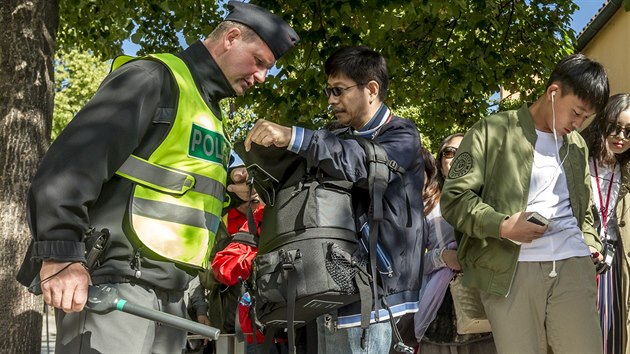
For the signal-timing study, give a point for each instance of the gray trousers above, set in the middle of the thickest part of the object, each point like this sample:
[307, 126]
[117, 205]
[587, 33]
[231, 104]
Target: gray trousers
[118, 332]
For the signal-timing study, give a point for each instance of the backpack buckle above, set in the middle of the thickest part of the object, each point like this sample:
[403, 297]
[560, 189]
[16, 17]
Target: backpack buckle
[288, 266]
[402, 348]
[392, 165]
[288, 260]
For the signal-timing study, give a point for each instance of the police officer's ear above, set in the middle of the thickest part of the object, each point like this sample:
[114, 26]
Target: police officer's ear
[230, 36]
[373, 88]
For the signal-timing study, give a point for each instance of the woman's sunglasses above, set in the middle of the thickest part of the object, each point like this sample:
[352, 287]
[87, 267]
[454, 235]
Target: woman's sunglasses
[618, 129]
[449, 152]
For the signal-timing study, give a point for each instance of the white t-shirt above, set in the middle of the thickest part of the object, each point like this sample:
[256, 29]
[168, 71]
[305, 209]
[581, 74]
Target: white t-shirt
[549, 196]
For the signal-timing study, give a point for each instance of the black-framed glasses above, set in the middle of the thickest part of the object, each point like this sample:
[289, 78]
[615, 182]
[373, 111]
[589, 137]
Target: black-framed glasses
[449, 152]
[618, 129]
[337, 91]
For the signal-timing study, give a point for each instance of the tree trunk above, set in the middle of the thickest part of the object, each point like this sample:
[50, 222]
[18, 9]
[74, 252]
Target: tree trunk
[27, 45]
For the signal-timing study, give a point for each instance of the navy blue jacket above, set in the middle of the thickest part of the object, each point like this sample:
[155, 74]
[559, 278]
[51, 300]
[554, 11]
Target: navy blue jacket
[345, 159]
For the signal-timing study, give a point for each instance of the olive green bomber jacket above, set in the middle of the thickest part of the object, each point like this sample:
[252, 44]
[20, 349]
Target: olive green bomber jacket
[489, 181]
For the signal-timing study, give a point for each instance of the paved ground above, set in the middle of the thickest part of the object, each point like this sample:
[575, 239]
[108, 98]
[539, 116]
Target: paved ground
[48, 338]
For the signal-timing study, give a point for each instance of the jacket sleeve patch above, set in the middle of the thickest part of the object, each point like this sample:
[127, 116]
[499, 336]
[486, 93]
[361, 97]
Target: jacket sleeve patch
[461, 166]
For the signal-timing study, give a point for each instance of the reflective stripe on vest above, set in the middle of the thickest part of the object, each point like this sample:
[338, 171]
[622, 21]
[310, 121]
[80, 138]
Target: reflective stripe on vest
[176, 214]
[168, 180]
[178, 191]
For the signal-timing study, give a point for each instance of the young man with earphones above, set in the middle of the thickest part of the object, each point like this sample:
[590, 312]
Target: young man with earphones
[519, 197]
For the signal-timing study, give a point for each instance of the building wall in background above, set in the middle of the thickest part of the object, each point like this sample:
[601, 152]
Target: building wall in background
[610, 47]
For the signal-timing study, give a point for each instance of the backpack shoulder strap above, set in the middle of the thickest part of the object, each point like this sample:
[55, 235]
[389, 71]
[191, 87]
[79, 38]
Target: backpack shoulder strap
[245, 238]
[379, 168]
[378, 175]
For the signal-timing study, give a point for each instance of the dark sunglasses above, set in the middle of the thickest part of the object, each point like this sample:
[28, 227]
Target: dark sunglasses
[337, 91]
[449, 152]
[618, 129]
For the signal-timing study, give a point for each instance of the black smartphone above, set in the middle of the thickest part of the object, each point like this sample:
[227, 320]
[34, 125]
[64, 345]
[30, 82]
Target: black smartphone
[538, 219]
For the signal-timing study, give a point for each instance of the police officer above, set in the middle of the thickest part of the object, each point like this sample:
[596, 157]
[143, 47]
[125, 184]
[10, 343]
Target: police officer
[146, 159]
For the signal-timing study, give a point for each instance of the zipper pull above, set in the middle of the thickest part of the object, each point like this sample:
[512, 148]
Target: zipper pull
[136, 264]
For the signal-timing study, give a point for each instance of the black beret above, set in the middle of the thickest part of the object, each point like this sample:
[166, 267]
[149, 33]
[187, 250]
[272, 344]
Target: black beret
[270, 28]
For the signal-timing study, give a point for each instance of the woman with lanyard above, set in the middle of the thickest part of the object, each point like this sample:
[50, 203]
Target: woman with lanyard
[608, 140]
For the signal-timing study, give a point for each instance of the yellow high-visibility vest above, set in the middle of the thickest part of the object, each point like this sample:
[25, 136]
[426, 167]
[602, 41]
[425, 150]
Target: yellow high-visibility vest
[177, 199]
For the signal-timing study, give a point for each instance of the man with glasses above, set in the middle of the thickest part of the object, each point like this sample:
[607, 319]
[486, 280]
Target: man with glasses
[356, 90]
[519, 197]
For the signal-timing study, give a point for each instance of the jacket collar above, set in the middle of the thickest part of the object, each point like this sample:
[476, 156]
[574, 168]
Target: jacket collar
[370, 129]
[208, 76]
[526, 121]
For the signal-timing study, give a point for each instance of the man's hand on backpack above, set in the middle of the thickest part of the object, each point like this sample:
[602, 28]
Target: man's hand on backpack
[239, 187]
[266, 133]
[517, 228]
[67, 288]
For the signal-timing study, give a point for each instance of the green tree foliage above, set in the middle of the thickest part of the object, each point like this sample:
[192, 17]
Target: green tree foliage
[446, 58]
[77, 76]
[238, 120]
[103, 25]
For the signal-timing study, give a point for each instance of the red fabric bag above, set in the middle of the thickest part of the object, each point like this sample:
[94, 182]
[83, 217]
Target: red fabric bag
[235, 260]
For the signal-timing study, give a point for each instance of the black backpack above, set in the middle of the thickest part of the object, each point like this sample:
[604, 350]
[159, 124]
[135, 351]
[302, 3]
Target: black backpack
[310, 261]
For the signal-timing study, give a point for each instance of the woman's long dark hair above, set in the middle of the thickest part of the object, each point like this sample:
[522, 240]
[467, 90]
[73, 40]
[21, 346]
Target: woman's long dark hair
[603, 125]
[431, 190]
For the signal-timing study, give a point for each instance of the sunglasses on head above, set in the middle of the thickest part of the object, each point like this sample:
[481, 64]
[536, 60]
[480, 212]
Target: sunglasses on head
[449, 152]
[337, 91]
[618, 129]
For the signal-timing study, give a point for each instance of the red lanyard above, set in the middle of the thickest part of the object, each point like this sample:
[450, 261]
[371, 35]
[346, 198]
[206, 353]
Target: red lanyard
[604, 210]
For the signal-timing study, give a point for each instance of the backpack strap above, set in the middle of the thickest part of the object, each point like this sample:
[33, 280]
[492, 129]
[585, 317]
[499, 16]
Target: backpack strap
[244, 238]
[378, 178]
[379, 167]
[251, 223]
[254, 321]
[363, 281]
[291, 298]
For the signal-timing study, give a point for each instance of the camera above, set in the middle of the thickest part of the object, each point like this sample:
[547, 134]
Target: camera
[608, 253]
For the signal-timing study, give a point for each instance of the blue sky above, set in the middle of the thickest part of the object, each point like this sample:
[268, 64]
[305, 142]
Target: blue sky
[588, 9]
